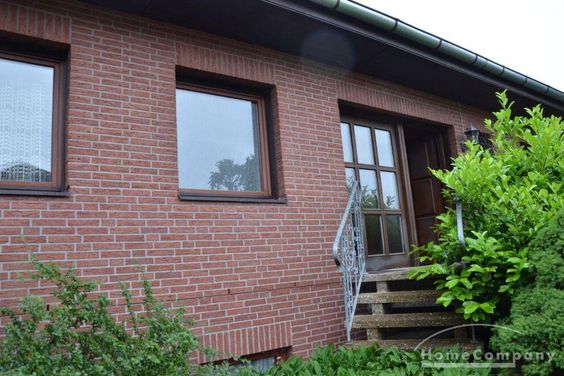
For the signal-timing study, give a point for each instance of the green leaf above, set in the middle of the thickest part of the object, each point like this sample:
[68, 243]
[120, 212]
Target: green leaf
[466, 283]
[470, 307]
[487, 307]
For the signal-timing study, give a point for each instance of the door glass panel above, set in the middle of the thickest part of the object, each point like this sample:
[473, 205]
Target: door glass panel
[373, 227]
[363, 140]
[384, 148]
[389, 190]
[394, 232]
[369, 189]
[347, 142]
[350, 178]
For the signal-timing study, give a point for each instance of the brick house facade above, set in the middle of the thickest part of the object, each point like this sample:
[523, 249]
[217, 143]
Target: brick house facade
[255, 276]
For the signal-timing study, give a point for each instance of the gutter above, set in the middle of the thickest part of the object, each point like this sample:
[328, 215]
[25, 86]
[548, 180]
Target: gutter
[402, 29]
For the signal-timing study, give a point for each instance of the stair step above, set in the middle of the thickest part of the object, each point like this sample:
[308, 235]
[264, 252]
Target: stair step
[398, 274]
[407, 320]
[422, 296]
[410, 344]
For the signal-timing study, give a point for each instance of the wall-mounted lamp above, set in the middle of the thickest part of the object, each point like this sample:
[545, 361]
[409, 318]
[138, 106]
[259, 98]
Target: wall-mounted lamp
[472, 134]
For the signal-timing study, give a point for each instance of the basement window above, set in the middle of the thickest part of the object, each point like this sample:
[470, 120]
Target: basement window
[260, 362]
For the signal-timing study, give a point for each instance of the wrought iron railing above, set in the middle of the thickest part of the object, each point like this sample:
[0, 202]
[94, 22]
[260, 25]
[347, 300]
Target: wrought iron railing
[348, 253]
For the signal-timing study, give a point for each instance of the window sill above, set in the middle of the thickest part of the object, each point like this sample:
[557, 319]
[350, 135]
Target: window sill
[251, 200]
[33, 192]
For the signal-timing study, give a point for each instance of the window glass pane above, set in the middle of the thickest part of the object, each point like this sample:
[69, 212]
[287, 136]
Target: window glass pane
[263, 365]
[369, 188]
[218, 142]
[350, 178]
[393, 229]
[363, 140]
[373, 228]
[260, 365]
[389, 190]
[384, 148]
[26, 121]
[347, 142]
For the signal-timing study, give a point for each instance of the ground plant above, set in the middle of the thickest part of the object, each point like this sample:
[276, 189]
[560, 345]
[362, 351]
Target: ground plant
[508, 193]
[77, 335]
[372, 360]
[536, 322]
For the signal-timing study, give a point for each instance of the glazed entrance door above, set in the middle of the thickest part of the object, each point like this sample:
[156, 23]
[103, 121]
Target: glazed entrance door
[372, 158]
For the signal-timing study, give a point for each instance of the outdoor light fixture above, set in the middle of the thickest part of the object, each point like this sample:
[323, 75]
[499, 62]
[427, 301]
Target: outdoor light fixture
[472, 134]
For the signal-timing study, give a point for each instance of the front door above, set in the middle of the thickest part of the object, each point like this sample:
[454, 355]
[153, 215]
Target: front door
[371, 151]
[426, 151]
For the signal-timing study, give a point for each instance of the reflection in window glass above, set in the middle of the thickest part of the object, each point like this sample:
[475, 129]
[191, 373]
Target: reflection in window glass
[363, 140]
[394, 232]
[373, 227]
[26, 121]
[350, 178]
[218, 142]
[384, 148]
[389, 190]
[369, 187]
[347, 142]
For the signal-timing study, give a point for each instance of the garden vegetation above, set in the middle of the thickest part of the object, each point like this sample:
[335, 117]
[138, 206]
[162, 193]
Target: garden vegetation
[508, 193]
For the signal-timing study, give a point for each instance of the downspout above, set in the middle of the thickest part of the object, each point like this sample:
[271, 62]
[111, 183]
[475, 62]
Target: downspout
[400, 28]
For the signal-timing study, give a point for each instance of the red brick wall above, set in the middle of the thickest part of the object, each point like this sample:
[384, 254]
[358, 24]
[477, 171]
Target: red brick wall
[253, 276]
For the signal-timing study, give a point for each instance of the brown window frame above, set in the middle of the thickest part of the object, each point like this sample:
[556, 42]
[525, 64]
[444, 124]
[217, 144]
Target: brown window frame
[400, 162]
[266, 193]
[56, 187]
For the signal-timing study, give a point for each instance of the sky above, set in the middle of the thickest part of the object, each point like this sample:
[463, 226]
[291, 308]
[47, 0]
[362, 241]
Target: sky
[524, 35]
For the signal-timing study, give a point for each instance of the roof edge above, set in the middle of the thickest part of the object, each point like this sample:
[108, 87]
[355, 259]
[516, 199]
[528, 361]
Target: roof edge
[394, 25]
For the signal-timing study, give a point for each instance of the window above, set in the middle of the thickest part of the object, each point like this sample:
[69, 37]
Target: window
[222, 144]
[31, 117]
[371, 158]
[260, 362]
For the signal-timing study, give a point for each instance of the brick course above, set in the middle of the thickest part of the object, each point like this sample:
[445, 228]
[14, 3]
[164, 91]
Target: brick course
[245, 272]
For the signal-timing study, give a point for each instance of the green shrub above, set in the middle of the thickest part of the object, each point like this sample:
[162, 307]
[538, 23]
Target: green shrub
[537, 312]
[78, 336]
[546, 255]
[359, 361]
[508, 193]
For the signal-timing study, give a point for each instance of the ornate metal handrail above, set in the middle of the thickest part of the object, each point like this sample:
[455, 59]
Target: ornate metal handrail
[348, 253]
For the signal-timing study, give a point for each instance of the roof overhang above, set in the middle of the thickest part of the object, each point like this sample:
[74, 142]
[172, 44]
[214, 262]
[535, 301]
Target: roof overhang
[309, 30]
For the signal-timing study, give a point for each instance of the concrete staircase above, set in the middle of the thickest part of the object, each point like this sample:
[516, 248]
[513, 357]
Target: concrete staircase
[396, 311]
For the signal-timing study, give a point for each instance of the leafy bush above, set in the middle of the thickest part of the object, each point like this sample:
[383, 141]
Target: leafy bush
[546, 255]
[78, 336]
[508, 193]
[537, 313]
[328, 361]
